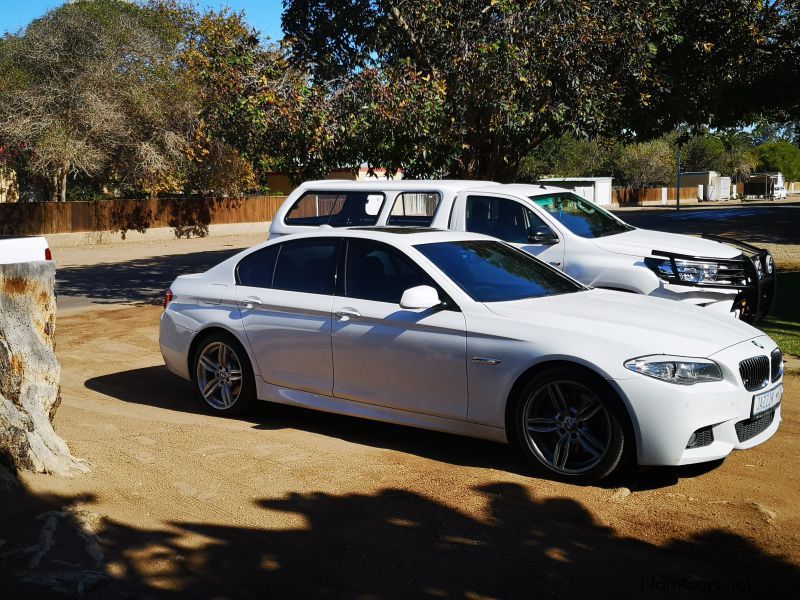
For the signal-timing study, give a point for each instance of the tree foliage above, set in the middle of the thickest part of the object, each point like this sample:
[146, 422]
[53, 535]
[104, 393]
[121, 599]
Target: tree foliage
[508, 75]
[91, 86]
[513, 75]
[569, 156]
[779, 156]
[647, 164]
[703, 152]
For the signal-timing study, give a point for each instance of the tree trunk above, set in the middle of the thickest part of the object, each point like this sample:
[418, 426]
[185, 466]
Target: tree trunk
[62, 190]
[30, 372]
[53, 187]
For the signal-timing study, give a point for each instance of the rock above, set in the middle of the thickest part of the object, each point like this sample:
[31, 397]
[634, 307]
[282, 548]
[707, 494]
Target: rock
[30, 372]
[768, 515]
[621, 495]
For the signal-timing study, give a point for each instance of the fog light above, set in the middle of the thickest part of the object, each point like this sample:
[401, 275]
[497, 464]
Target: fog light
[702, 437]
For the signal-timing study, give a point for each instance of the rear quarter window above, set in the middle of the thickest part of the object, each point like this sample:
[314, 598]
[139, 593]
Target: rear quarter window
[414, 209]
[257, 269]
[337, 209]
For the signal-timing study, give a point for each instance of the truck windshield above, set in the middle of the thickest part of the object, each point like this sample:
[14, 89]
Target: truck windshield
[580, 216]
[491, 271]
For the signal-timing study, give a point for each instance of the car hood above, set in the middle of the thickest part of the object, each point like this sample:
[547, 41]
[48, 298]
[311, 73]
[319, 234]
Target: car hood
[641, 323]
[642, 242]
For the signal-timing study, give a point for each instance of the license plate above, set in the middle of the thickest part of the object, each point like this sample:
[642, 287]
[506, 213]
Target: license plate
[766, 400]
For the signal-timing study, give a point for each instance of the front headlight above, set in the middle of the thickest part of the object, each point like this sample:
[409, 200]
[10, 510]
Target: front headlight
[676, 369]
[770, 263]
[691, 271]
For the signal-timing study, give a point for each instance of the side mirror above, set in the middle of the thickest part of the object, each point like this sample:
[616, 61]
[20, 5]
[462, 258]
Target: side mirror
[542, 235]
[422, 296]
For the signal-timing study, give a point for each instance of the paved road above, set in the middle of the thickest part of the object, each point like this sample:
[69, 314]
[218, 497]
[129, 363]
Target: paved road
[763, 223]
[90, 278]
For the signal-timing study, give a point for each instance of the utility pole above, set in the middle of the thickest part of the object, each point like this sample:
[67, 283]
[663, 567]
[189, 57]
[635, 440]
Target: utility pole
[682, 139]
[678, 196]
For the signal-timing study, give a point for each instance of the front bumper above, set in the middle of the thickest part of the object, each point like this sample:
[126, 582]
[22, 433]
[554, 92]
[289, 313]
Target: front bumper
[665, 415]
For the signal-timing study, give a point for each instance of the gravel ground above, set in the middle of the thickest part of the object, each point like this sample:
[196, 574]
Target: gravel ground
[290, 503]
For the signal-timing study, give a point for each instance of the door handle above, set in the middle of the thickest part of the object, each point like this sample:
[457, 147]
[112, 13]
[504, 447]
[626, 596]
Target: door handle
[251, 302]
[344, 314]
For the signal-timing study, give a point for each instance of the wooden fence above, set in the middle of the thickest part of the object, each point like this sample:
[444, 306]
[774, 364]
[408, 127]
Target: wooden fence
[188, 216]
[637, 197]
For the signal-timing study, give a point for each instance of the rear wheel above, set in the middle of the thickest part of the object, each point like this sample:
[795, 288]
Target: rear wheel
[570, 424]
[223, 376]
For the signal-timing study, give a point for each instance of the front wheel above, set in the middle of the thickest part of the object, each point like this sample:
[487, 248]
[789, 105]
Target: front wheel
[223, 376]
[570, 424]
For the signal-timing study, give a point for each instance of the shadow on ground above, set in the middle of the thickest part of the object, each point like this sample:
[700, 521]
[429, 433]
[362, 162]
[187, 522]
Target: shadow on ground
[140, 281]
[391, 544]
[776, 224]
[157, 387]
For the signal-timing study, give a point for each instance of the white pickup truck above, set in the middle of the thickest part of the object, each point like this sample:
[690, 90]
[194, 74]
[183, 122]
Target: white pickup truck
[556, 225]
[23, 249]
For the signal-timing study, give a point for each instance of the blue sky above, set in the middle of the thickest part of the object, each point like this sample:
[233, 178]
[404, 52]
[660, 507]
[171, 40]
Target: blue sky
[264, 15]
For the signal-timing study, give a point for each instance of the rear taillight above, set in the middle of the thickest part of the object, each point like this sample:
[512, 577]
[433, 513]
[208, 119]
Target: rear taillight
[47, 254]
[168, 298]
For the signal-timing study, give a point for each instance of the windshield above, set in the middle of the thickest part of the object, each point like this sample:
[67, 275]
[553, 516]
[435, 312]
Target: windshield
[580, 216]
[491, 271]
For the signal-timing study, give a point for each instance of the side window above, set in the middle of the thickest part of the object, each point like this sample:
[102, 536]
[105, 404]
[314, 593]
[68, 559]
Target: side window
[378, 272]
[256, 269]
[502, 218]
[337, 209]
[307, 265]
[414, 209]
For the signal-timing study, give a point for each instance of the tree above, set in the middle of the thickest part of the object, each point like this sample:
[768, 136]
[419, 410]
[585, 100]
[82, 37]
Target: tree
[505, 76]
[780, 156]
[703, 152]
[647, 164]
[727, 63]
[92, 87]
[569, 156]
[738, 159]
[252, 101]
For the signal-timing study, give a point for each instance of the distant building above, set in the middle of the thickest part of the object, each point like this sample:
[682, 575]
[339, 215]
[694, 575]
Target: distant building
[711, 186]
[593, 189]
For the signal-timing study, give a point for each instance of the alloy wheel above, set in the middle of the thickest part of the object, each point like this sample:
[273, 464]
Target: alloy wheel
[219, 375]
[567, 427]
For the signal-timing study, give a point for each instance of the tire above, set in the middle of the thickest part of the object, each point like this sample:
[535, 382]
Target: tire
[570, 423]
[222, 375]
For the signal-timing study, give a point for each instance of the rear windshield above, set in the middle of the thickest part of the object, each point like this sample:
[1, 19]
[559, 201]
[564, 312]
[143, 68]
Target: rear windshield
[491, 271]
[337, 209]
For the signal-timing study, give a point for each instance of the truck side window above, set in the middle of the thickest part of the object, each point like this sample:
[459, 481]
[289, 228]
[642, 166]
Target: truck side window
[502, 218]
[414, 209]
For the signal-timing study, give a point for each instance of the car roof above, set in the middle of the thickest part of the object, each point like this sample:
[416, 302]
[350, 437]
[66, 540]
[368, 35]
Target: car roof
[421, 185]
[397, 236]
[396, 184]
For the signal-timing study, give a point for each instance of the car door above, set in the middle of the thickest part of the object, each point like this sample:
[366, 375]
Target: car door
[510, 220]
[413, 360]
[285, 294]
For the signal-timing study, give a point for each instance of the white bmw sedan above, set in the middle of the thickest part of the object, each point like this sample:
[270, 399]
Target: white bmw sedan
[462, 333]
